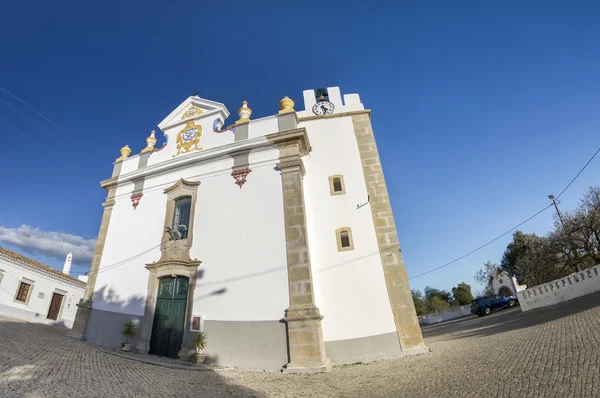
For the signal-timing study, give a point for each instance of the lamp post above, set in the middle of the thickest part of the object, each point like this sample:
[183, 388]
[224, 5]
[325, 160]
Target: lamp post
[560, 217]
[562, 222]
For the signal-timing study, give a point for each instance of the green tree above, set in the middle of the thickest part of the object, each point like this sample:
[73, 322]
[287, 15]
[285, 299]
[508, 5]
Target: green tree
[576, 240]
[431, 292]
[534, 259]
[485, 275]
[462, 294]
[436, 300]
[436, 304]
[419, 301]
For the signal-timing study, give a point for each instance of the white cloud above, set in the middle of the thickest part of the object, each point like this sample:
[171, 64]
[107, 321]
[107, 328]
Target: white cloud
[50, 244]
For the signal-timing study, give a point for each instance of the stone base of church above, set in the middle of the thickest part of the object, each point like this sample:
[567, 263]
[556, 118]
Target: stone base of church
[104, 328]
[368, 349]
[250, 345]
[253, 345]
[81, 319]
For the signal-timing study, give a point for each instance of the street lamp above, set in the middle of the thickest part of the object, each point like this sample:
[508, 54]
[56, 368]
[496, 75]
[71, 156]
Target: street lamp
[560, 217]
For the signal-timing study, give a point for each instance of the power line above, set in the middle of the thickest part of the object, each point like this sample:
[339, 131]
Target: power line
[36, 111]
[580, 171]
[119, 263]
[24, 115]
[512, 229]
[482, 246]
[20, 132]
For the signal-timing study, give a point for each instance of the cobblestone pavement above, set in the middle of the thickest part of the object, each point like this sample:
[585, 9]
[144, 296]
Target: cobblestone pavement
[552, 352]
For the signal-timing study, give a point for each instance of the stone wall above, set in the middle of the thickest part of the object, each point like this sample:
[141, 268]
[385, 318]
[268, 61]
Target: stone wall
[575, 285]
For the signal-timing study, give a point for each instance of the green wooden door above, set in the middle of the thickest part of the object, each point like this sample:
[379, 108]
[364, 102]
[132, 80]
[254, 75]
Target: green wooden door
[169, 317]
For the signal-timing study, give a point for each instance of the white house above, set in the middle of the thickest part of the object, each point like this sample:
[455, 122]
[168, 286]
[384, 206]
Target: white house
[35, 292]
[505, 284]
[274, 236]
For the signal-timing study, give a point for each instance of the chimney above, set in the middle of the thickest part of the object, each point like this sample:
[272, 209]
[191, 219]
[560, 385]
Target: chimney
[67, 266]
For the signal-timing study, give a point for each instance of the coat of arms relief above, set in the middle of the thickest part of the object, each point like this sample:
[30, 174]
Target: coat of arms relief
[189, 138]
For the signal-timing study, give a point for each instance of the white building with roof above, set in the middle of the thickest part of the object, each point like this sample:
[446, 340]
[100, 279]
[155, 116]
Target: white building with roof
[274, 236]
[35, 292]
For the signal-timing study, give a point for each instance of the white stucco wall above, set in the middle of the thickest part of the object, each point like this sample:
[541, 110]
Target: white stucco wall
[36, 309]
[446, 315]
[350, 288]
[575, 285]
[239, 237]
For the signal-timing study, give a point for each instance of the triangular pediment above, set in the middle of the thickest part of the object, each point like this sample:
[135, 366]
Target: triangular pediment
[193, 108]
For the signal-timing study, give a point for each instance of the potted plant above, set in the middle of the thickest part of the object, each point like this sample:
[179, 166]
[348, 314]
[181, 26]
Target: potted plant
[200, 343]
[127, 331]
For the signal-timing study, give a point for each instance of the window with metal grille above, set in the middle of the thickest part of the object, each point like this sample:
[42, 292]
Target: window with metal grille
[337, 184]
[345, 239]
[23, 292]
[181, 216]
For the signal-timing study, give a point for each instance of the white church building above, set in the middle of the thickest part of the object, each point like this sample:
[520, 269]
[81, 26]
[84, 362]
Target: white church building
[274, 236]
[35, 292]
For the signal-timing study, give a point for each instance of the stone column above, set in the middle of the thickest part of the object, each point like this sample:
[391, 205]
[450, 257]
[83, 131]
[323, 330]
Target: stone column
[143, 345]
[303, 318]
[85, 304]
[403, 308]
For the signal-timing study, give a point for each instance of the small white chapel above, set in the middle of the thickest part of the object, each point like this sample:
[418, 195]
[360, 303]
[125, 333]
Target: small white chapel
[273, 236]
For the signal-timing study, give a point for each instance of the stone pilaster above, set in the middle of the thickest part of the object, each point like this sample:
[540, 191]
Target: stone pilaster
[85, 304]
[405, 316]
[303, 318]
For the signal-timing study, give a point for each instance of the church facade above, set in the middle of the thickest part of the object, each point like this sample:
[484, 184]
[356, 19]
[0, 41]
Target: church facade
[274, 236]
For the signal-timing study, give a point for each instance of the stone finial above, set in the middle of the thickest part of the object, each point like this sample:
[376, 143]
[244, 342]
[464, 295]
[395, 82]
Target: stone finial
[150, 142]
[125, 152]
[244, 113]
[286, 105]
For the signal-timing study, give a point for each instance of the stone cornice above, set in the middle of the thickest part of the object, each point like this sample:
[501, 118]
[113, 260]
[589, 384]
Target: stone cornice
[188, 160]
[173, 263]
[297, 137]
[350, 113]
[182, 183]
[109, 183]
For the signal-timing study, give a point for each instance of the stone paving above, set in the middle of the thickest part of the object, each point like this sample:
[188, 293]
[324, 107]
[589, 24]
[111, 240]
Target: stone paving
[551, 352]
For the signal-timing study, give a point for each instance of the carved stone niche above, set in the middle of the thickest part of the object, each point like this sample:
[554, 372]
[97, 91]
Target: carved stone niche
[179, 250]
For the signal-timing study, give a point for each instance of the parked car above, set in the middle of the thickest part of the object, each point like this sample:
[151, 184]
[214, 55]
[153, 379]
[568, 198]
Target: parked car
[485, 305]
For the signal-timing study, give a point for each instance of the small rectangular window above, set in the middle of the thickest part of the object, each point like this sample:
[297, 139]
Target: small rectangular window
[344, 239]
[23, 292]
[336, 185]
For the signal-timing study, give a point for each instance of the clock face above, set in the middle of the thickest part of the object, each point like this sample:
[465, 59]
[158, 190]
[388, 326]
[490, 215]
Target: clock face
[323, 108]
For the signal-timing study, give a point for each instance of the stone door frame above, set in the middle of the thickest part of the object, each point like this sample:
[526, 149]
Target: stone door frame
[158, 271]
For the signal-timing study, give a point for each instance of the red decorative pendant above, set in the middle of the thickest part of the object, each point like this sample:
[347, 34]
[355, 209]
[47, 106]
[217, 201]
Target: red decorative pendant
[135, 199]
[240, 176]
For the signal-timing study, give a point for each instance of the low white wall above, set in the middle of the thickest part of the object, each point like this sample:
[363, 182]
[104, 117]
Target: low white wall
[446, 315]
[575, 285]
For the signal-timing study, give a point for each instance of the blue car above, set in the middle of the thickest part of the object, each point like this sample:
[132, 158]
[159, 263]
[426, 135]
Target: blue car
[485, 305]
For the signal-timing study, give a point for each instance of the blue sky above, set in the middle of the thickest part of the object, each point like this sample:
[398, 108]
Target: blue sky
[480, 109]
